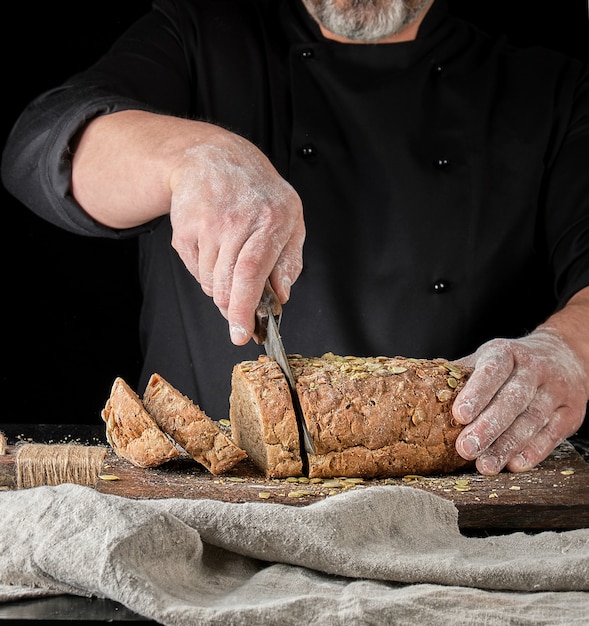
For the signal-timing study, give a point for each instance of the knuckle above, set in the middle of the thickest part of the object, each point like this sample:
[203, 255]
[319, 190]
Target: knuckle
[519, 397]
[221, 298]
[489, 368]
[291, 264]
[499, 344]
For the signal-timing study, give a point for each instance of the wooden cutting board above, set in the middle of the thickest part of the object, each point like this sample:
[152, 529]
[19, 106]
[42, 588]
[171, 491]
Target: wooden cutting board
[554, 496]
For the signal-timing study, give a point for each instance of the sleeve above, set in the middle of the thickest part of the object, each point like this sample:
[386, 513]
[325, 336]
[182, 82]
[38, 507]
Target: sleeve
[567, 192]
[145, 69]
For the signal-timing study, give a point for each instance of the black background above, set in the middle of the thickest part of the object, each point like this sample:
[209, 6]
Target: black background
[70, 303]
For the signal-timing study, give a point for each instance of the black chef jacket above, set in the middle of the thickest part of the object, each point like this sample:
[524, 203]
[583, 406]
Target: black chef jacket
[445, 181]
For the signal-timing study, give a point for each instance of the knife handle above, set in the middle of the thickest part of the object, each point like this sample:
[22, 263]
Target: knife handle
[269, 305]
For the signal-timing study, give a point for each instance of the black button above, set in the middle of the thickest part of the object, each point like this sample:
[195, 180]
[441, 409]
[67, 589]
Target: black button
[441, 285]
[441, 164]
[308, 53]
[308, 150]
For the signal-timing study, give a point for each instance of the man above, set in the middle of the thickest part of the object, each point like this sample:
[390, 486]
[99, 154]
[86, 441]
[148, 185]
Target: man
[435, 177]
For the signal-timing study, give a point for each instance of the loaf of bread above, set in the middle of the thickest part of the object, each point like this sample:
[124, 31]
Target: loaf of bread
[132, 433]
[190, 427]
[367, 416]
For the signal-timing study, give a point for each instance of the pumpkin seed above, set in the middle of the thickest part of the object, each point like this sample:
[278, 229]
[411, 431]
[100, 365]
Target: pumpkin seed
[418, 416]
[299, 493]
[332, 483]
[108, 477]
[443, 395]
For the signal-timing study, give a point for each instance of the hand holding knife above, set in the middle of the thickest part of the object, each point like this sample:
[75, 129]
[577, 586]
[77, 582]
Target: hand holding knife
[268, 317]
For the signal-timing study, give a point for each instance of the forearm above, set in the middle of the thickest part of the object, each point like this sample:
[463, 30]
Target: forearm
[235, 221]
[571, 323]
[124, 162]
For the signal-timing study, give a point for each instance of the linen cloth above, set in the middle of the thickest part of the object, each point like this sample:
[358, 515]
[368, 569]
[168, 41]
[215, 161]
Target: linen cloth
[378, 555]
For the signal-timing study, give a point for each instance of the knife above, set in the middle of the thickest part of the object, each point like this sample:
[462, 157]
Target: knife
[268, 317]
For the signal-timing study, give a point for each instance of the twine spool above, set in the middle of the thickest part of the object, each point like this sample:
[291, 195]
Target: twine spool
[45, 464]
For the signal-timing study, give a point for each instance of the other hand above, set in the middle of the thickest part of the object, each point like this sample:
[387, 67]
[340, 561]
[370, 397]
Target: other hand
[524, 397]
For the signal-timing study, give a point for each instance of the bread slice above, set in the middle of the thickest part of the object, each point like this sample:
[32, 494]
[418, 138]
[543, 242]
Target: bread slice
[132, 433]
[262, 418]
[190, 427]
[367, 416]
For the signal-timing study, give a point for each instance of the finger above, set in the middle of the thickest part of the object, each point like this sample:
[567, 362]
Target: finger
[556, 430]
[199, 254]
[208, 259]
[189, 253]
[223, 274]
[252, 268]
[223, 260]
[245, 297]
[521, 432]
[494, 365]
[513, 399]
[289, 266]
[242, 263]
[267, 253]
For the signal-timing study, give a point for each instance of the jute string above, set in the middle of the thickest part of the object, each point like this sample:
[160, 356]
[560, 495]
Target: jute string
[45, 464]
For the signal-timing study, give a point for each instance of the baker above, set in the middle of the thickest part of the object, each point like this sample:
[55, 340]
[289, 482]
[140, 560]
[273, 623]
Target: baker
[425, 196]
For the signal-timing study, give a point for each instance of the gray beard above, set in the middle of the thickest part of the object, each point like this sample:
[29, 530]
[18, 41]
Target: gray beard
[365, 20]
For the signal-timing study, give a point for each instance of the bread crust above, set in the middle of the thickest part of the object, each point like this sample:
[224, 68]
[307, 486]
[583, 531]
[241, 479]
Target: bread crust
[132, 433]
[190, 427]
[367, 416]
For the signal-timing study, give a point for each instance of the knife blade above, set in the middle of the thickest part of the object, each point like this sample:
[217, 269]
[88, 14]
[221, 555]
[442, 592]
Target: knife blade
[268, 318]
